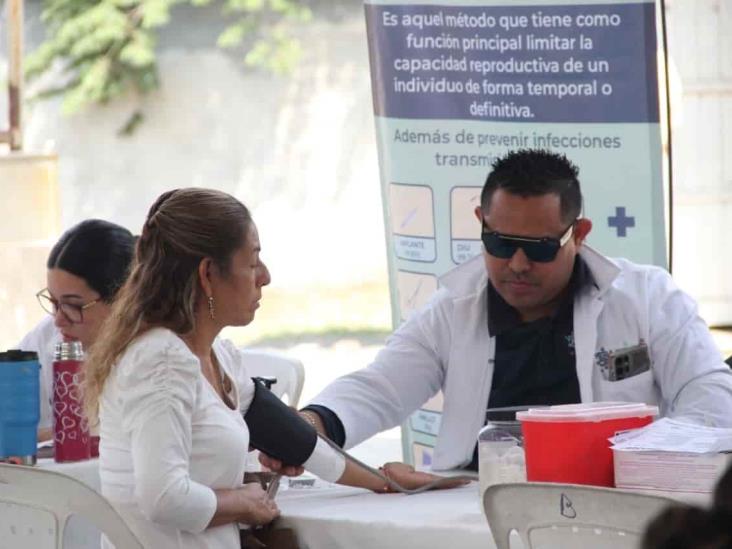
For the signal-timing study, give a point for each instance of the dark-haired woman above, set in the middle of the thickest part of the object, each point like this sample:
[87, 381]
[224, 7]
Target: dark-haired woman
[86, 267]
[176, 408]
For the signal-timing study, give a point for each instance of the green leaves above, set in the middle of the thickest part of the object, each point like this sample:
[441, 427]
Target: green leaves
[251, 6]
[265, 22]
[155, 13]
[233, 35]
[279, 53]
[139, 52]
[99, 50]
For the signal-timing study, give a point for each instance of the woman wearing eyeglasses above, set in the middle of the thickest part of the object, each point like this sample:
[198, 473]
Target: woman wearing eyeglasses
[86, 267]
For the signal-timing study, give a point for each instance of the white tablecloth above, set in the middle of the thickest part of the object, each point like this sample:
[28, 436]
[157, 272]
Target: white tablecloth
[79, 534]
[86, 471]
[330, 517]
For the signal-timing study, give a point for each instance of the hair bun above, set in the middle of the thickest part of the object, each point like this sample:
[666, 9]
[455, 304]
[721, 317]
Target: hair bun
[152, 213]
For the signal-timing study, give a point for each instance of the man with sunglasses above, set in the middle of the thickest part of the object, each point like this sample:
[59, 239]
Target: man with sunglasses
[540, 318]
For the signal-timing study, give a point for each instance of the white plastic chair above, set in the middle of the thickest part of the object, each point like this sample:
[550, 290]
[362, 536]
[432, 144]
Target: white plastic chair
[289, 372]
[36, 504]
[569, 516]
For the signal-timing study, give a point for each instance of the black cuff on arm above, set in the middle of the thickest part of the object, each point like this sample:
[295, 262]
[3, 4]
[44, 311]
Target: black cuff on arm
[278, 430]
[333, 427]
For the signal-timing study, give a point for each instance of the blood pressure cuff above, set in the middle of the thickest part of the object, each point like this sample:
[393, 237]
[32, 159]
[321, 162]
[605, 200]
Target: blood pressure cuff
[278, 430]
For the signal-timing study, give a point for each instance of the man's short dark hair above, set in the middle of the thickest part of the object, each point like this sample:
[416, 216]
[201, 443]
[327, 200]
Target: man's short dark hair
[534, 172]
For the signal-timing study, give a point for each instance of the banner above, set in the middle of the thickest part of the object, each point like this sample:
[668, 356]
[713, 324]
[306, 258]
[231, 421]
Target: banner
[456, 85]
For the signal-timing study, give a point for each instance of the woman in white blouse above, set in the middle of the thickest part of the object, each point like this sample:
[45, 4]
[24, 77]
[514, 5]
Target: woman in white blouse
[170, 395]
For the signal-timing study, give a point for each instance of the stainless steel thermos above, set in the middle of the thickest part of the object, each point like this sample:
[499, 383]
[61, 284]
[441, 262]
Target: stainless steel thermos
[71, 438]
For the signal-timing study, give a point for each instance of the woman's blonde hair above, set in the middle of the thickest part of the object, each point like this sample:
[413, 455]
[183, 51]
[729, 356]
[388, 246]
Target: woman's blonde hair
[183, 227]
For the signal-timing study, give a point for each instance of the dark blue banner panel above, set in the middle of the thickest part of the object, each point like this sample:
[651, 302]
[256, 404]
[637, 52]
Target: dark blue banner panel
[568, 63]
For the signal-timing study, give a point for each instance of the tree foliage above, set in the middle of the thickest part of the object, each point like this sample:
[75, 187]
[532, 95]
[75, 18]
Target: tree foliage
[97, 50]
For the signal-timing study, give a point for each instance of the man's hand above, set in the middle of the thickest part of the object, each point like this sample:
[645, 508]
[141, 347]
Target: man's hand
[276, 466]
[408, 478]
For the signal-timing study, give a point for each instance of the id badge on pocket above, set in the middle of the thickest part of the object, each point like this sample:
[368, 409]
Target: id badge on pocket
[619, 364]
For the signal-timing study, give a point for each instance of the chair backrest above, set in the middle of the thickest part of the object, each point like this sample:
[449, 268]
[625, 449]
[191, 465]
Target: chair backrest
[289, 372]
[568, 516]
[38, 504]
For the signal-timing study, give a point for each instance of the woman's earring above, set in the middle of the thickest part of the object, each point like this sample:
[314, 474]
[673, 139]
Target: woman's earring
[211, 307]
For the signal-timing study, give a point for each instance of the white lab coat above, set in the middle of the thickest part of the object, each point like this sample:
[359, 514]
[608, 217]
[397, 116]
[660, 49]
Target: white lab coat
[446, 345]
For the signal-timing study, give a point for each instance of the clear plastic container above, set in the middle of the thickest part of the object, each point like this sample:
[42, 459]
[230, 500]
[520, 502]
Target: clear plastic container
[500, 454]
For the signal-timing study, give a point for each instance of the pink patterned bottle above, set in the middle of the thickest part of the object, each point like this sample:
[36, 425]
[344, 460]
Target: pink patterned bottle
[71, 440]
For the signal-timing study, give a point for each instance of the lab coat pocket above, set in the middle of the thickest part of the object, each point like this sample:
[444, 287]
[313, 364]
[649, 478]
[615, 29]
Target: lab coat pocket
[638, 388]
[622, 363]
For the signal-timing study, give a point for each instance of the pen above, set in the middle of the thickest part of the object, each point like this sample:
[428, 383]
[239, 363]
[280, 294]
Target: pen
[274, 484]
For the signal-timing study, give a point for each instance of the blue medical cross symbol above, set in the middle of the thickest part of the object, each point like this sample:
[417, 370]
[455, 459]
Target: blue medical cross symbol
[621, 222]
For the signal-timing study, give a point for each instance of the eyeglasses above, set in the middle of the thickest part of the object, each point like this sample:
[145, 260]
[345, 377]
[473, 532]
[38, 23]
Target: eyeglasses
[72, 312]
[541, 250]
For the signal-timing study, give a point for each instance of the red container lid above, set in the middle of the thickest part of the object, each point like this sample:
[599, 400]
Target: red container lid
[587, 412]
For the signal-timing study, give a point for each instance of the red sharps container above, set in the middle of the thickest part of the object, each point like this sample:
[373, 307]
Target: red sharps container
[71, 439]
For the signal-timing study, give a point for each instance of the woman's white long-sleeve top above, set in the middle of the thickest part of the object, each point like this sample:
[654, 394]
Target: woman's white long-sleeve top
[168, 441]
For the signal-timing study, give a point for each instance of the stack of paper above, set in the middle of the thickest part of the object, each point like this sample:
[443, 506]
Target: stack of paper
[671, 455]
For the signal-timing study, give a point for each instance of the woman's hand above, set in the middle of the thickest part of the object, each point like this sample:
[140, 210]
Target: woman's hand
[249, 504]
[257, 508]
[406, 476]
[276, 466]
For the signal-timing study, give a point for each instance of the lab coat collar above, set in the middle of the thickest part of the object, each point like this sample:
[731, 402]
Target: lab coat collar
[604, 270]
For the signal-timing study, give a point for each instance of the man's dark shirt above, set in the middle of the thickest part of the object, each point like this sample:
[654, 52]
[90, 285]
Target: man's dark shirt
[534, 362]
[333, 426]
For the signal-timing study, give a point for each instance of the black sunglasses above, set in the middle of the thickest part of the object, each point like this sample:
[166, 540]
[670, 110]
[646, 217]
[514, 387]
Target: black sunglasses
[542, 250]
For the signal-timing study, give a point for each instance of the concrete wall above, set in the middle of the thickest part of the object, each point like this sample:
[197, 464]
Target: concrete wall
[298, 149]
[700, 37]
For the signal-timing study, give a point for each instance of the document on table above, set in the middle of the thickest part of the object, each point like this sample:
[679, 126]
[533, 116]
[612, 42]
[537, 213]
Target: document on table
[673, 435]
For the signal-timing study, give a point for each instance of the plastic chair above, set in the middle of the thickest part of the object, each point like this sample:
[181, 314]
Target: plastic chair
[36, 505]
[289, 372]
[569, 516]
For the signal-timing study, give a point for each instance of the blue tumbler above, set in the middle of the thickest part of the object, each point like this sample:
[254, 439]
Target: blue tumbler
[19, 406]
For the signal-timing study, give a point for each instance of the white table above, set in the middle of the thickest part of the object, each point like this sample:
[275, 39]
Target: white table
[330, 517]
[336, 517]
[86, 471]
[79, 534]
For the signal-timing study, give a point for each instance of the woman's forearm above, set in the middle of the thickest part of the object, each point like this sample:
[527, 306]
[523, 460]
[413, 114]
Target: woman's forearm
[228, 508]
[361, 478]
